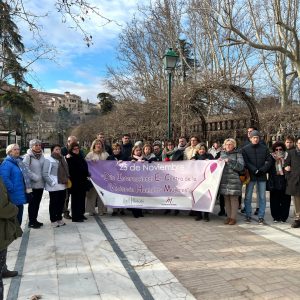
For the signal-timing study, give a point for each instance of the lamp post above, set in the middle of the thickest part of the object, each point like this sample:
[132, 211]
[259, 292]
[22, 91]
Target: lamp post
[170, 60]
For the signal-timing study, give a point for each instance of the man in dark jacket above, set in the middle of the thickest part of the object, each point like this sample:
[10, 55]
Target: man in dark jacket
[292, 168]
[258, 161]
[9, 231]
[126, 147]
[101, 137]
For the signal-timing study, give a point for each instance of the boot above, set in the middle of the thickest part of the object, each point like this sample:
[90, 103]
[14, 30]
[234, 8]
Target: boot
[296, 224]
[8, 274]
[67, 215]
[232, 222]
[199, 216]
[206, 217]
[227, 221]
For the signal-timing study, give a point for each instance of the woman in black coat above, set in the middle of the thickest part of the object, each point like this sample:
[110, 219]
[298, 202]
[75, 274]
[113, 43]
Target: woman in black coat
[78, 169]
[279, 202]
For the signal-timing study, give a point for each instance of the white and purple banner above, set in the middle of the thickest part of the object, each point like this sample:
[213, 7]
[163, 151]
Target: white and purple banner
[181, 185]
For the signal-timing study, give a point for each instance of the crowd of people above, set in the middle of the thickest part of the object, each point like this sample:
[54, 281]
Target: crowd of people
[65, 174]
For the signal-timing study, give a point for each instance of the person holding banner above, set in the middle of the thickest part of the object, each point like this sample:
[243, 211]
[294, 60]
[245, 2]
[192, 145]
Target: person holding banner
[168, 152]
[79, 173]
[231, 185]
[148, 155]
[137, 156]
[97, 152]
[202, 154]
[116, 155]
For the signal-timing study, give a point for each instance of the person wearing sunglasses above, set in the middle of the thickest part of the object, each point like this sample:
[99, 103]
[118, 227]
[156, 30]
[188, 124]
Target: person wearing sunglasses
[279, 202]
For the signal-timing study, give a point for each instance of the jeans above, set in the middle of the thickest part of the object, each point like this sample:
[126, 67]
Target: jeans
[20, 213]
[261, 194]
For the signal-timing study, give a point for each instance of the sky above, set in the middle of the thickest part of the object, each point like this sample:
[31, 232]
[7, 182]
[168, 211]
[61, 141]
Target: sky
[75, 67]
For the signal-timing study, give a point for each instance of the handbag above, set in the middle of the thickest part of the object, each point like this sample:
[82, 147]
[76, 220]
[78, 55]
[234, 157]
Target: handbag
[244, 176]
[69, 183]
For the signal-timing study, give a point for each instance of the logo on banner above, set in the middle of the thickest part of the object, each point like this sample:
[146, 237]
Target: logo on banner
[169, 201]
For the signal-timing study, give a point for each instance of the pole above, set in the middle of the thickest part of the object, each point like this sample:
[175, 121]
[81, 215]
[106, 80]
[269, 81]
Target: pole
[169, 105]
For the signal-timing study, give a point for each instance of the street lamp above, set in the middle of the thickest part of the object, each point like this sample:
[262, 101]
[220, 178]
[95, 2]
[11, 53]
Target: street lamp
[170, 60]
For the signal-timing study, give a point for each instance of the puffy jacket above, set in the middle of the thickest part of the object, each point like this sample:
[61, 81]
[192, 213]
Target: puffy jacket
[230, 181]
[257, 158]
[35, 166]
[13, 180]
[9, 226]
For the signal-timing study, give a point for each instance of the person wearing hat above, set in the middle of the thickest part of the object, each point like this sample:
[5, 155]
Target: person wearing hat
[258, 161]
[16, 178]
[34, 159]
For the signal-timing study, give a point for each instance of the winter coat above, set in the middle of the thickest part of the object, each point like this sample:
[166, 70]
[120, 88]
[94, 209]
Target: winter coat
[190, 151]
[178, 155]
[126, 151]
[9, 226]
[230, 181]
[35, 166]
[275, 182]
[93, 156]
[293, 177]
[13, 180]
[49, 174]
[257, 158]
[203, 157]
[79, 172]
[114, 157]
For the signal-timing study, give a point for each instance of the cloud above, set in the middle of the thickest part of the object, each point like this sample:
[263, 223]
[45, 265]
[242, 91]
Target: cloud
[84, 90]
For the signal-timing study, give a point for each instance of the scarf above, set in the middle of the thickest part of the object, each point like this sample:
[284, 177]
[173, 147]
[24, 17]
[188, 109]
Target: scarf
[63, 170]
[279, 161]
[37, 155]
[167, 155]
[138, 158]
[182, 148]
[149, 156]
[25, 172]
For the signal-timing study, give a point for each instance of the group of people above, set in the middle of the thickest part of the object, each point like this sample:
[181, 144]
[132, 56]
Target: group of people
[65, 174]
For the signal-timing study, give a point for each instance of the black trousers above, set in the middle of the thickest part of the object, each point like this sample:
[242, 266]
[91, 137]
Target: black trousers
[56, 205]
[34, 205]
[280, 205]
[78, 204]
[137, 212]
[2, 269]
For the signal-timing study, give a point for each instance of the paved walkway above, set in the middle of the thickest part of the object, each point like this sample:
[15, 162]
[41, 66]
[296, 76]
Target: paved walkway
[155, 257]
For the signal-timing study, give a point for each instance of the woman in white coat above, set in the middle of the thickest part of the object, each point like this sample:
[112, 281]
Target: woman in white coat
[56, 175]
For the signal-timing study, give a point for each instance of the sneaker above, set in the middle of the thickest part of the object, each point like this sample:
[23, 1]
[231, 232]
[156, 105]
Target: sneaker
[243, 210]
[40, 223]
[275, 221]
[260, 221]
[9, 274]
[54, 224]
[248, 220]
[61, 223]
[256, 211]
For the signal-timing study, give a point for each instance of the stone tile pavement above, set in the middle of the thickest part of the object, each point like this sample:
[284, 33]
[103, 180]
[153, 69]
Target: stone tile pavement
[155, 257]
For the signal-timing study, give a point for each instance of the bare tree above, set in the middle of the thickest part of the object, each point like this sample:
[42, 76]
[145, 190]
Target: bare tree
[270, 26]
